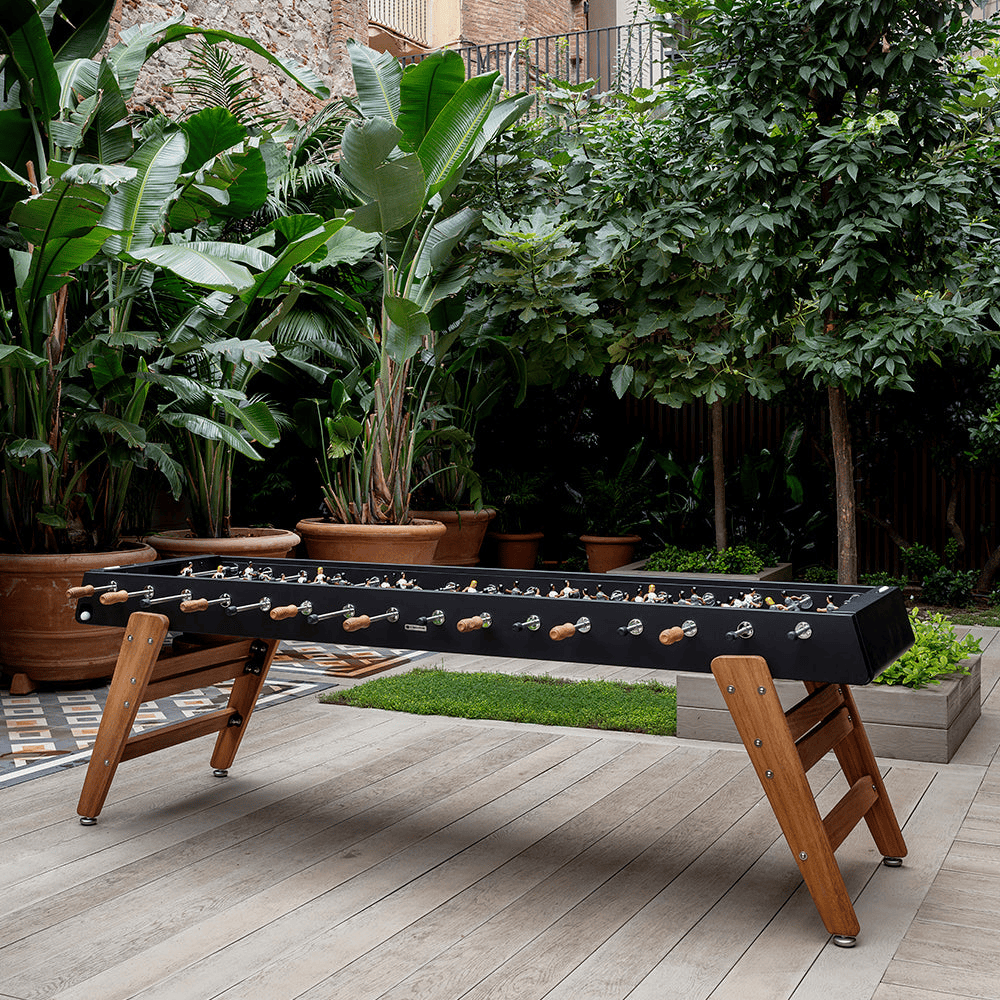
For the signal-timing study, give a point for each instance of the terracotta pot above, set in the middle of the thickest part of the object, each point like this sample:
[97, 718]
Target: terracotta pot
[463, 536]
[246, 543]
[409, 544]
[605, 553]
[41, 641]
[517, 551]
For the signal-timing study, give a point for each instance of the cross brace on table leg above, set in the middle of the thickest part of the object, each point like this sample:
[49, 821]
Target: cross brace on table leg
[782, 747]
[141, 674]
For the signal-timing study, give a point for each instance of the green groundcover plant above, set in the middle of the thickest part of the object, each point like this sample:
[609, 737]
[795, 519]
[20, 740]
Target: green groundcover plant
[734, 559]
[637, 708]
[935, 653]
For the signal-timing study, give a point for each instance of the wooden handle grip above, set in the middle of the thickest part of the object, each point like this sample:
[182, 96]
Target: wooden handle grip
[199, 604]
[354, 624]
[115, 597]
[560, 632]
[671, 635]
[470, 624]
[75, 592]
[286, 611]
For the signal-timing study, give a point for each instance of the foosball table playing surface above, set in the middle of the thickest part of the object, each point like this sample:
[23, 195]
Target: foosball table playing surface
[235, 612]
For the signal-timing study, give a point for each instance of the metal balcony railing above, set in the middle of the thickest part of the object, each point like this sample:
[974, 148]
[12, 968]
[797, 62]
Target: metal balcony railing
[402, 17]
[617, 58]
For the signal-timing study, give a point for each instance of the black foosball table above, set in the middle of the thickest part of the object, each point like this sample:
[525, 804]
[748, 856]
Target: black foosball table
[828, 637]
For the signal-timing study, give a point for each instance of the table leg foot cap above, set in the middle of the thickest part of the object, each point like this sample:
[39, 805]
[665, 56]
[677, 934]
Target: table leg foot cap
[844, 940]
[88, 821]
[220, 772]
[893, 862]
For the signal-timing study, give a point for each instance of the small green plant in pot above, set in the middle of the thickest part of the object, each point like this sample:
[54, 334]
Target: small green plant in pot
[936, 653]
[613, 503]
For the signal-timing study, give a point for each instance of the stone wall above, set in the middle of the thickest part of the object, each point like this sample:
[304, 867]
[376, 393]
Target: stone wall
[312, 31]
[315, 33]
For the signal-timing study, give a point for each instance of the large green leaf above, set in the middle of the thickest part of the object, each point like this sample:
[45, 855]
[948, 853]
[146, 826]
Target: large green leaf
[424, 90]
[137, 209]
[248, 188]
[451, 137]
[247, 352]
[109, 140]
[504, 114]
[131, 52]
[349, 245]
[211, 430]
[172, 470]
[209, 133]
[366, 145]
[82, 29]
[133, 435]
[240, 253]
[28, 55]
[26, 448]
[77, 81]
[376, 78]
[399, 196]
[257, 419]
[302, 250]
[12, 356]
[8, 175]
[442, 239]
[63, 225]
[202, 269]
[17, 149]
[408, 326]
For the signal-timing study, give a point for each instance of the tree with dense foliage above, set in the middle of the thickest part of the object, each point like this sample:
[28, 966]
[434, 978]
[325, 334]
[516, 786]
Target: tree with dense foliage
[831, 141]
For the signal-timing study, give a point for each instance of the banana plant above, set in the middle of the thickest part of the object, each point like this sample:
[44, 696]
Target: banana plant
[418, 130]
[83, 243]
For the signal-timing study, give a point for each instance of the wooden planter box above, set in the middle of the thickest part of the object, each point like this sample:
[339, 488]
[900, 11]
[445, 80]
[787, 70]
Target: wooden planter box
[783, 571]
[927, 724]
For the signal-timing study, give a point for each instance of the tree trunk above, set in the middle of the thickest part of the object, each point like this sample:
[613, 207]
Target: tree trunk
[985, 582]
[843, 464]
[718, 475]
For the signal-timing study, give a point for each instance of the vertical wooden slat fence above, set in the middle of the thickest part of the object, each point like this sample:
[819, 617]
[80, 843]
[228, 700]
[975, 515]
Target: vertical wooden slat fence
[914, 501]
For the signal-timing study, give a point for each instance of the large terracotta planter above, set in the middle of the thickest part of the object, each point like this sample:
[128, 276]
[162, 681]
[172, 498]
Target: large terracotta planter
[517, 551]
[41, 641]
[463, 536]
[245, 543]
[409, 544]
[606, 553]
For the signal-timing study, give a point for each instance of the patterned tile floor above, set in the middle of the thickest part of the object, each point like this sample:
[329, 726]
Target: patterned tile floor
[50, 730]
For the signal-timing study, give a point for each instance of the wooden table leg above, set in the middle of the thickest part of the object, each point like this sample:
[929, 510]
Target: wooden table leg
[782, 753]
[243, 698]
[139, 652]
[857, 760]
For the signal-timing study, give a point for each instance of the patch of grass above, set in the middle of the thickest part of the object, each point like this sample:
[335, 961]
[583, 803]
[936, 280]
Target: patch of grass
[633, 708]
[989, 617]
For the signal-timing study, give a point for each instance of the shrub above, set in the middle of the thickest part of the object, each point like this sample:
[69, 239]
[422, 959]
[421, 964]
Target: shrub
[744, 559]
[935, 653]
[819, 574]
[882, 578]
[920, 561]
[949, 587]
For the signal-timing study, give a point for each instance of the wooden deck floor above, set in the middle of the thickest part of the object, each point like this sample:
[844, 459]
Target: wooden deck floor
[360, 854]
